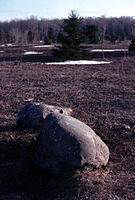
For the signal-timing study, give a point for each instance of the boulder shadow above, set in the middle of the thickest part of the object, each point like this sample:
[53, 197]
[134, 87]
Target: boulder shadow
[20, 176]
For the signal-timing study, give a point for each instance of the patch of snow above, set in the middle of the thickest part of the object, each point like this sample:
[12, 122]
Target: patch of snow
[79, 62]
[30, 99]
[41, 46]
[6, 45]
[1, 51]
[108, 50]
[32, 52]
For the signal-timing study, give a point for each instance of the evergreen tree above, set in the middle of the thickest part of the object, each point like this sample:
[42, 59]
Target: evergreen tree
[51, 35]
[30, 37]
[71, 39]
[92, 34]
[113, 38]
[59, 37]
[122, 37]
[7, 37]
[132, 45]
[47, 40]
[0, 35]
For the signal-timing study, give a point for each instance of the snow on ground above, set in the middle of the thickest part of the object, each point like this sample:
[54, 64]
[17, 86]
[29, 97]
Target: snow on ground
[1, 51]
[6, 45]
[79, 62]
[40, 46]
[108, 50]
[32, 52]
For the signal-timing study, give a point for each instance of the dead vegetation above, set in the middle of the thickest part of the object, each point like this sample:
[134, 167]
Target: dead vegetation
[102, 96]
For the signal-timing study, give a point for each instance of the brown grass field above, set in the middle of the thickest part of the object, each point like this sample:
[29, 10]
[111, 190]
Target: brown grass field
[102, 96]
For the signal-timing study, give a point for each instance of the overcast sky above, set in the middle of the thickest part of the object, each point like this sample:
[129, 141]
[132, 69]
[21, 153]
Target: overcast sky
[21, 9]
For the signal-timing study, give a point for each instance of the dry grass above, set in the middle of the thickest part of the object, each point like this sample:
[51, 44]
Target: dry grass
[102, 96]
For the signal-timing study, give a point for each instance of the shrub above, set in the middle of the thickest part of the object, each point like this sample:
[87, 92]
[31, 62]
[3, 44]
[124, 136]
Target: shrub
[47, 40]
[132, 45]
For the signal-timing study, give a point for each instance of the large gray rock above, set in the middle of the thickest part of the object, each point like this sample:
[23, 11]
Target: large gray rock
[33, 114]
[64, 142]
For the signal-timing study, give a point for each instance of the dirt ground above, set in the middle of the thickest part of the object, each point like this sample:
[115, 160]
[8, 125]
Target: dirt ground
[102, 96]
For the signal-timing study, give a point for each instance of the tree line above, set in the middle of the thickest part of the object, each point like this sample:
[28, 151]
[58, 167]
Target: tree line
[94, 30]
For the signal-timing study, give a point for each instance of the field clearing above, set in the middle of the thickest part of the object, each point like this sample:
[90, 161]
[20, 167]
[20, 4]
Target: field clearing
[102, 96]
[43, 53]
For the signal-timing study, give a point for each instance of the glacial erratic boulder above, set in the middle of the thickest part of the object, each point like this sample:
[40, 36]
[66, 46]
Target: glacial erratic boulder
[64, 142]
[33, 114]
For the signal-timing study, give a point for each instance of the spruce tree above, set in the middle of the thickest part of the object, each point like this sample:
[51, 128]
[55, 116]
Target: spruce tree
[113, 38]
[71, 39]
[30, 37]
[0, 35]
[51, 35]
[132, 45]
[47, 40]
[7, 36]
[92, 34]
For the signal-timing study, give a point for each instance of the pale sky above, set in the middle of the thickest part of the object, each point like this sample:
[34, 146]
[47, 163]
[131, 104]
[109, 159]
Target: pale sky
[22, 9]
